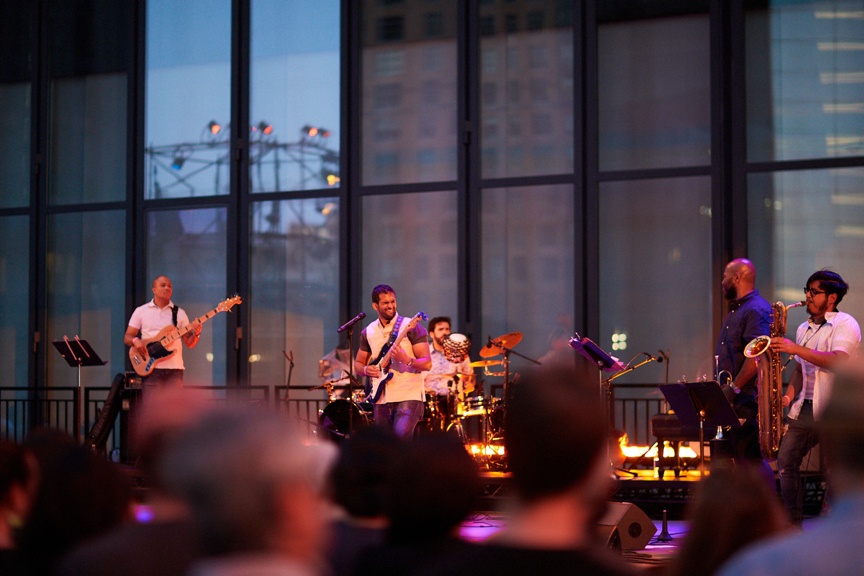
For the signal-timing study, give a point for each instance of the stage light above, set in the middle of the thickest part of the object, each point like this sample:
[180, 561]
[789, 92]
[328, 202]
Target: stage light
[178, 162]
[310, 131]
[265, 128]
[214, 127]
[332, 179]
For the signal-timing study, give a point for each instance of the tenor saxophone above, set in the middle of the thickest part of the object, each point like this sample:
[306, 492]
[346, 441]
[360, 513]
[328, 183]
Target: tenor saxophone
[769, 381]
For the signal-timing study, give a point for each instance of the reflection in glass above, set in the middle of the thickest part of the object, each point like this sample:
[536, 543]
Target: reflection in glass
[655, 274]
[188, 92]
[800, 222]
[294, 90]
[654, 89]
[399, 65]
[14, 299]
[14, 145]
[410, 243]
[85, 292]
[189, 247]
[526, 79]
[88, 139]
[805, 82]
[294, 283]
[527, 259]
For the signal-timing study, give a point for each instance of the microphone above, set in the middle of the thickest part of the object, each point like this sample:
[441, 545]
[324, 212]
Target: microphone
[351, 322]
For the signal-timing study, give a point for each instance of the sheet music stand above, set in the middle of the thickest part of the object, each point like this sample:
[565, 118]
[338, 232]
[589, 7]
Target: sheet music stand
[700, 404]
[78, 353]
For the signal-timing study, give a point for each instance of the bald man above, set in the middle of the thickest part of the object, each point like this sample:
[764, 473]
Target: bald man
[749, 316]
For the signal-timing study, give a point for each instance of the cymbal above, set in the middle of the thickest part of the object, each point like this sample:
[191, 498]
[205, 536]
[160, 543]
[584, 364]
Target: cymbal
[507, 341]
[484, 363]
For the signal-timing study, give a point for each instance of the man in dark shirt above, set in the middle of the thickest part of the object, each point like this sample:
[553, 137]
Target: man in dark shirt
[749, 316]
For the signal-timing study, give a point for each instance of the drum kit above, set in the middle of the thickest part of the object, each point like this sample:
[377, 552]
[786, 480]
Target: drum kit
[477, 419]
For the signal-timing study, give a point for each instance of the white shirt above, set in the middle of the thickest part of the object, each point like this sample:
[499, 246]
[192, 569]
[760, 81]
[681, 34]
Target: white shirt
[149, 319]
[840, 332]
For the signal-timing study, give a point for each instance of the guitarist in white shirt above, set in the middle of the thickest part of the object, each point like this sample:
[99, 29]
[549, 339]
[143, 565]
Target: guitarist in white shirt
[146, 322]
[400, 404]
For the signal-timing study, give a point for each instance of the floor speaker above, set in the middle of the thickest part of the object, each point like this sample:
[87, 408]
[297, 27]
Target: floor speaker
[624, 525]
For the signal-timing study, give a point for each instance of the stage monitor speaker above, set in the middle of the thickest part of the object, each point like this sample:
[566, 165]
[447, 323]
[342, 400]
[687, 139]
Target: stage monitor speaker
[626, 526]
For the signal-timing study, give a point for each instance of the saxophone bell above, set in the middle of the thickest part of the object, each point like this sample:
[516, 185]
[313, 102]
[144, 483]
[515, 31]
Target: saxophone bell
[757, 346]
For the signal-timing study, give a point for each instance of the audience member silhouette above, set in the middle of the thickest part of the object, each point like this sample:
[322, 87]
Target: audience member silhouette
[733, 507]
[17, 478]
[79, 496]
[556, 449]
[161, 539]
[833, 545]
[358, 489]
[432, 487]
[254, 489]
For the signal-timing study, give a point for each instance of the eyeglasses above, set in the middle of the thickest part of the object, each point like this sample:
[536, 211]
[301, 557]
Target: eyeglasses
[813, 291]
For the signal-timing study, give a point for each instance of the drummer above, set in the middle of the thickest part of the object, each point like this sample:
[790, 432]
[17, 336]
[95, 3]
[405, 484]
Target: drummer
[451, 376]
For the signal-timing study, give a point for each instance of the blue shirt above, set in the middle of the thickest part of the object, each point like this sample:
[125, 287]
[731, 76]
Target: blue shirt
[748, 318]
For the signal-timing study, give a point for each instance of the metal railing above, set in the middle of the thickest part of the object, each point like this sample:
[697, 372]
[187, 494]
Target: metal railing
[22, 409]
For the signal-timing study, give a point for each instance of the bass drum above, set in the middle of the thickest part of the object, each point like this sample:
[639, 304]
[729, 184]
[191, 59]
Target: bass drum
[340, 418]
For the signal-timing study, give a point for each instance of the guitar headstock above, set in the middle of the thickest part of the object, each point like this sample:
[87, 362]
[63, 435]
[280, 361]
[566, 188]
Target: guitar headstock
[229, 303]
[417, 317]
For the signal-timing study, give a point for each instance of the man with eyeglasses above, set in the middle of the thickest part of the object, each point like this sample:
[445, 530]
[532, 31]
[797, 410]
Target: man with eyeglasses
[827, 339]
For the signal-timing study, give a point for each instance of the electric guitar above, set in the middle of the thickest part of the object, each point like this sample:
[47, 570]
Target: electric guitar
[375, 386]
[157, 346]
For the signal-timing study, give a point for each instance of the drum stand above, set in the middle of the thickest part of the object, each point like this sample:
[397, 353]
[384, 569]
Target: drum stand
[487, 432]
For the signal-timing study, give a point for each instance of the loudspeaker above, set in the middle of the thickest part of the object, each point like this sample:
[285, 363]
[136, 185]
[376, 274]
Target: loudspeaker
[98, 435]
[625, 526]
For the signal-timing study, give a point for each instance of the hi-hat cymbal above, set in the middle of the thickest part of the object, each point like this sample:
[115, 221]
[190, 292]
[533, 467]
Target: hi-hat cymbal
[507, 341]
[484, 363]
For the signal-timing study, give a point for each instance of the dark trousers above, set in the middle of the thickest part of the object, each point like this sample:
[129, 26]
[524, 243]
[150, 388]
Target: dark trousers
[800, 437]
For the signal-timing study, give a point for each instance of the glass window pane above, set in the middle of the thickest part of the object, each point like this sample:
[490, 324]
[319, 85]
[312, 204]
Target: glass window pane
[804, 80]
[410, 243]
[87, 160]
[294, 138]
[188, 97]
[85, 278]
[527, 259]
[399, 65]
[89, 53]
[15, 145]
[655, 261]
[189, 247]
[14, 299]
[654, 90]
[789, 243]
[526, 91]
[294, 289]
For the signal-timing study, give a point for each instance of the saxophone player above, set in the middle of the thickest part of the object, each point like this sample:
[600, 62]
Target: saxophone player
[824, 341]
[749, 316]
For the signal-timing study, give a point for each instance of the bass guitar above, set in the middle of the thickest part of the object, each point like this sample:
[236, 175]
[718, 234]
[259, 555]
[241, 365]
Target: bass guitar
[157, 347]
[375, 386]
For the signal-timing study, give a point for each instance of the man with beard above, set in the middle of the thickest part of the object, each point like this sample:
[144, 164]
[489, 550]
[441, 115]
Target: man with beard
[749, 316]
[400, 405]
[822, 343]
[448, 381]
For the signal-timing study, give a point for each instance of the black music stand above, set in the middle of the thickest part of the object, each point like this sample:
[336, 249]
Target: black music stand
[604, 362]
[78, 353]
[700, 404]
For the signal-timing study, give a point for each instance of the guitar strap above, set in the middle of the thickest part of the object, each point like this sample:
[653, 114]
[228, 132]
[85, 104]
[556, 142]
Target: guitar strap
[396, 326]
[174, 310]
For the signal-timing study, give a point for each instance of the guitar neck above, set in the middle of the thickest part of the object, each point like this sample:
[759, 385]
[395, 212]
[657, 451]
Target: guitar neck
[182, 331]
[396, 342]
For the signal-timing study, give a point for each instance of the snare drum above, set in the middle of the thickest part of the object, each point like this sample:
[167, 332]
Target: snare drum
[341, 417]
[477, 405]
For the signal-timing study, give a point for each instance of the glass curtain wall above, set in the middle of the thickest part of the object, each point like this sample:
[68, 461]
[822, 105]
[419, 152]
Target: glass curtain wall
[294, 161]
[805, 88]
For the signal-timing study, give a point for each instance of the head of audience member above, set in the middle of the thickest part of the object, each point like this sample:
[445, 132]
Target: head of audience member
[252, 483]
[358, 478]
[739, 279]
[841, 429]
[433, 485]
[79, 496]
[17, 476]
[160, 416]
[555, 437]
[733, 507]
[832, 284]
